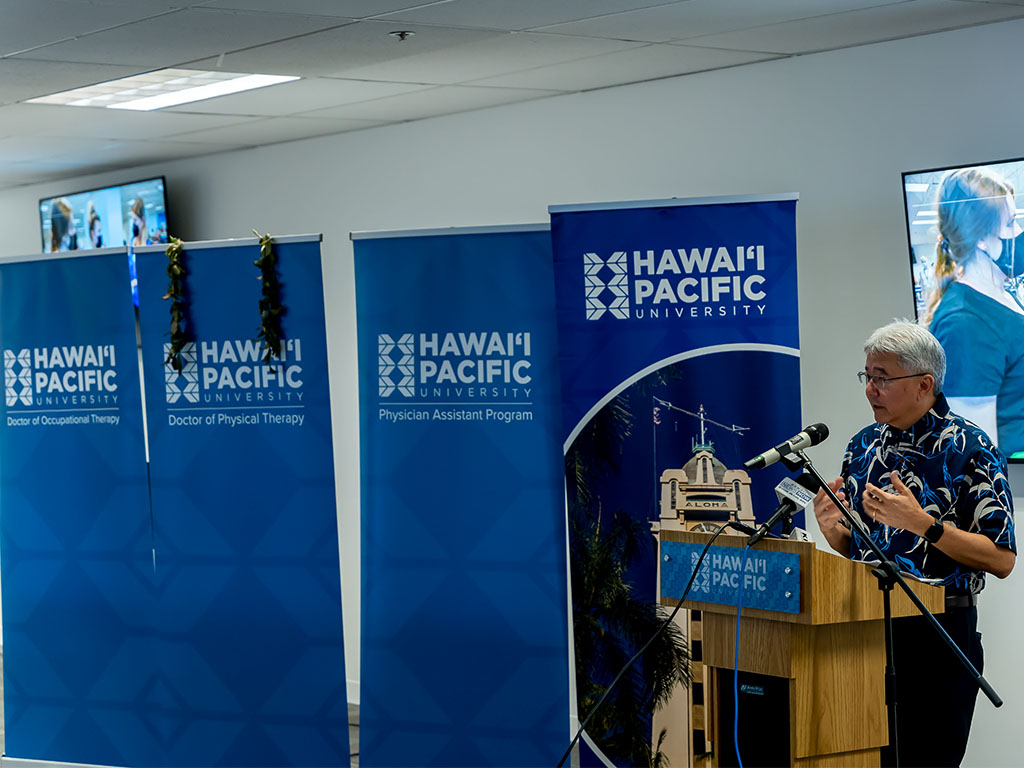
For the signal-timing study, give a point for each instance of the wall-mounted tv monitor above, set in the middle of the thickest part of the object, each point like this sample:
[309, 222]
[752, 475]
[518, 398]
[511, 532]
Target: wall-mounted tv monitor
[964, 226]
[129, 214]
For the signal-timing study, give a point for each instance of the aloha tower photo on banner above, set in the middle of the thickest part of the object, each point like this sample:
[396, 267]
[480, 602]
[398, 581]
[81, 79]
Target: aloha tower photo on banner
[679, 355]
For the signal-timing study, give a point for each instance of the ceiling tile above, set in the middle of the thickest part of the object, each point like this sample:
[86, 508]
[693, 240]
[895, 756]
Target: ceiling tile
[27, 25]
[25, 79]
[149, 6]
[442, 100]
[123, 154]
[703, 17]
[336, 52]
[110, 124]
[49, 148]
[914, 17]
[93, 154]
[44, 170]
[517, 15]
[20, 174]
[351, 9]
[634, 65]
[277, 129]
[182, 36]
[488, 58]
[298, 96]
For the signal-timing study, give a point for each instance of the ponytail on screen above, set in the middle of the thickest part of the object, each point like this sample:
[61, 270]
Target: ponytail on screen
[970, 208]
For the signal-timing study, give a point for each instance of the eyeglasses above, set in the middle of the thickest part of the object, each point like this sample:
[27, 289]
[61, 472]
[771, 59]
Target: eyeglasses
[881, 382]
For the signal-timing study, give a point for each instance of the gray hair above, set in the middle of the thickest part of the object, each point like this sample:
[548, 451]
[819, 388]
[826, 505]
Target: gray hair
[915, 348]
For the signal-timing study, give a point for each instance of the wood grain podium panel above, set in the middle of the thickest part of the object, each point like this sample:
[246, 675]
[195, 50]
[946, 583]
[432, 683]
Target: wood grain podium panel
[868, 758]
[837, 669]
[840, 687]
[766, 646]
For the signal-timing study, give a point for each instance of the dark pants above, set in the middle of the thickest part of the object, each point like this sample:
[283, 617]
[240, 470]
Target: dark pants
[934, 694]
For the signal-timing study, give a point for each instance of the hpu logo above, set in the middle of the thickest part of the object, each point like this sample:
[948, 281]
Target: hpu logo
[702, 582]
[387, 365]
[233, 371]
[713, 281]
[18, 377]
[617, 286]
[69, 375]
[185, 384]
[454, 365]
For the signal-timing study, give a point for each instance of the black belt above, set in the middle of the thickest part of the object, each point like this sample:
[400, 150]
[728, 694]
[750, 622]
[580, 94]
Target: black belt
[961, 601]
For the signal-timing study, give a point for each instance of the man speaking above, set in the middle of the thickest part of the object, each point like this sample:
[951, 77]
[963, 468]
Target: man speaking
[932, 491]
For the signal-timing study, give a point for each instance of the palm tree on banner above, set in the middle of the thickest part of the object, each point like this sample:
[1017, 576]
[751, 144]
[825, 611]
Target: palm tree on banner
[610, 623]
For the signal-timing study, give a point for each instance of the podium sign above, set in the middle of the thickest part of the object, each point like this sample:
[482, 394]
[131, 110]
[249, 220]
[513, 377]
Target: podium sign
[763, 579]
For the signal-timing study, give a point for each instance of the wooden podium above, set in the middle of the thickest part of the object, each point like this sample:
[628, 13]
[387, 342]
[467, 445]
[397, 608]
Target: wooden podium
[831, 652]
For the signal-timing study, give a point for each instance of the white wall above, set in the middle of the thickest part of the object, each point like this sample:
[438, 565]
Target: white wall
[837, 127]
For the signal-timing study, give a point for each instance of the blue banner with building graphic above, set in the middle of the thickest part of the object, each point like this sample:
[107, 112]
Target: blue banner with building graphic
[76, 536]
[248, 610]
[464, 628]
[677, 323]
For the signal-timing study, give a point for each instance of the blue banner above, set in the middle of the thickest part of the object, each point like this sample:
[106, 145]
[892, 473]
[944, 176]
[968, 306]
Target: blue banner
[76, 534]
[248, 590]
[464, 628]
[687, 304]
[678, 329]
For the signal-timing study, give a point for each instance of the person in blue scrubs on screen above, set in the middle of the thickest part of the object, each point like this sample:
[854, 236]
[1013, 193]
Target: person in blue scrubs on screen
[973, 308]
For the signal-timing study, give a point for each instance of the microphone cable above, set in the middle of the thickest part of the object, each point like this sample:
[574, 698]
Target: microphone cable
[736, 666]
[679, 604]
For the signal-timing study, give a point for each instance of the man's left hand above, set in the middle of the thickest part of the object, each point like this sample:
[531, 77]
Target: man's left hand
[895, 507]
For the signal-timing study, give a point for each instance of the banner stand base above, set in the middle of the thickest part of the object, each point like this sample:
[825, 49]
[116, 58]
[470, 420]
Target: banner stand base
[21, 762]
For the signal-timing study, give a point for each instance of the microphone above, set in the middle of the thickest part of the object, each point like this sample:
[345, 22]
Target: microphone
[793, 495]
[811, 435]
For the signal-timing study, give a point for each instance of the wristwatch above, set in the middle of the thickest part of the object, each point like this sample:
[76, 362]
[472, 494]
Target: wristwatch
[934, 532]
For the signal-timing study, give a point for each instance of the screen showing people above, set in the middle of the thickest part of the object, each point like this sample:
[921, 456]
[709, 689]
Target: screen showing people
[130, 214]
[967, 260]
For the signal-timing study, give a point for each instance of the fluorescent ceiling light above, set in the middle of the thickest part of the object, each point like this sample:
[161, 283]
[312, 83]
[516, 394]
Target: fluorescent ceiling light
[915, 186]
[200, 92]
[160, 89]
[922, 213]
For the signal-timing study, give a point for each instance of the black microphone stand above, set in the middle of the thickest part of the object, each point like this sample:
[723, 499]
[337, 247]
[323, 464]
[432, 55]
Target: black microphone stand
[888, 574]
[783, 513]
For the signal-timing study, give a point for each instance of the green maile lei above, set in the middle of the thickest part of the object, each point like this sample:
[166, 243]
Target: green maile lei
[176, 293]
[271, 309]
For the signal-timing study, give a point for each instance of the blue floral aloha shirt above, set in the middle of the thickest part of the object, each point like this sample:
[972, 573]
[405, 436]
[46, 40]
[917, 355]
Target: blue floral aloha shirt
[956, 474]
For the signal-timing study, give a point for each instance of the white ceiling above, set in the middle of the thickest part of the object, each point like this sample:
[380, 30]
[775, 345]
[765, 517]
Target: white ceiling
[464, 55]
